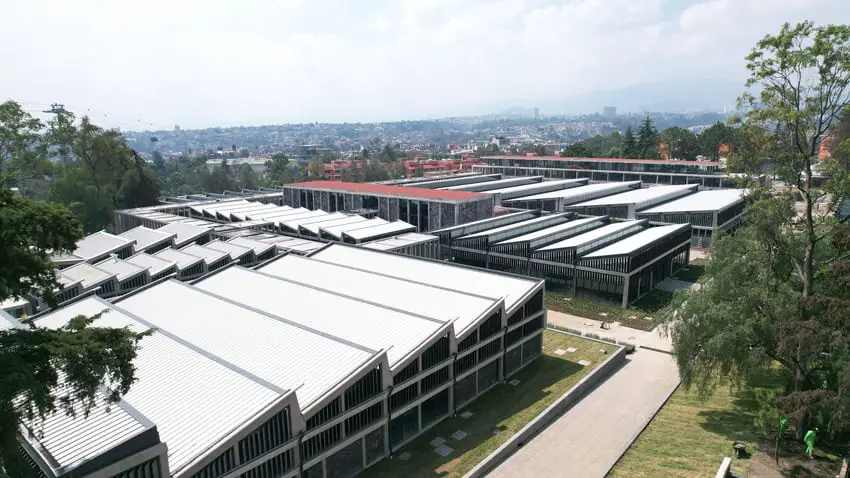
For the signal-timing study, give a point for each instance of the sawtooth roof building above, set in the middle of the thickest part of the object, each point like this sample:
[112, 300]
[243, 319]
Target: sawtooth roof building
[619, 261]
[303, 367]
[426, 209]
[706, 174]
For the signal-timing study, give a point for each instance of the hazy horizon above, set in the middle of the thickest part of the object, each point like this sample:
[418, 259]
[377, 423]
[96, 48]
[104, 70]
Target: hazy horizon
[215, 63]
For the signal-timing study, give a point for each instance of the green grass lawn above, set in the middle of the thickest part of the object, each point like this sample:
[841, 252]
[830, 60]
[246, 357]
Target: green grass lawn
[693, 272]
[504, 408]
[655, 305]
[690, 437]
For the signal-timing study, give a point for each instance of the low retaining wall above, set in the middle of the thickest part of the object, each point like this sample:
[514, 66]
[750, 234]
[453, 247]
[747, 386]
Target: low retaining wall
[565, 401]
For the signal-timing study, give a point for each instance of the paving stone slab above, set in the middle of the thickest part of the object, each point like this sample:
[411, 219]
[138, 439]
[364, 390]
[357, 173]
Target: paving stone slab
[443, 450]
[571, 349]
[467, 414]
[405, 456]
[584, 362]
[514, 382]
[459, 435]
[439, 441]
[560, 352]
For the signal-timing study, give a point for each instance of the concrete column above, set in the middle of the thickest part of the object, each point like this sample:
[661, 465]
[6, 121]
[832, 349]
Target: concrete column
[626, 281]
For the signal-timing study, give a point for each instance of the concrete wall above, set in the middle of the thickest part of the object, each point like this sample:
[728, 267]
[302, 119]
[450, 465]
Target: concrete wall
[568, 399]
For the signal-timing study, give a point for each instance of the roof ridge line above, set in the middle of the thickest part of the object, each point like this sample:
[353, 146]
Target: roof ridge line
[195, 348]
[278, 318]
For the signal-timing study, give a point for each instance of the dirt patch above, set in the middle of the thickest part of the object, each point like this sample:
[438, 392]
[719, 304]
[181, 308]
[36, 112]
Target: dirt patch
[792, 462]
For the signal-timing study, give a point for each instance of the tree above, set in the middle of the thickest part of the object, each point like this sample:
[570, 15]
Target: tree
[751, 151]
[680, 143]
[278, 170]
[647, 140]
[577, 150]
[713, 138]
[316, 169]
[99, 172]
[23, 162]
[629, 144]
[777, 293]
[247, 177]
[92, 363]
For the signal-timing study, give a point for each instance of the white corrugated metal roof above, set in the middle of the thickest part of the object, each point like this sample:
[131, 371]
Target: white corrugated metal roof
[194, 400]
[89, 275]
[70, 441]
[566, 226]
[210, 256]
[185, 232]
[8, 322]
[275, 350]
[336, 231]
[270, 213]
[210, 208]
[422, 299]
[183, 260]
[235, 251]
[469, 280]
[329, 217]
[99, 244]
[293, 221]
[590, 189]
[526, 187]
[500, 218]
[327, 305]
[591, 236]
[515, 225]
[495, 184]
[314, 227]
[279, 215]
[635, 242]
[153, 264]
[366, 233]
[258, 247]
[402, 240]
[123, 270]
[244, 214]
[713, 200]
[635, 196]
[146, 237]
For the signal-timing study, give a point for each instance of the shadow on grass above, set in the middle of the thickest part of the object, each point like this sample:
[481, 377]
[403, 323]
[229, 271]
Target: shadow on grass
[498, 414]
[737, 422]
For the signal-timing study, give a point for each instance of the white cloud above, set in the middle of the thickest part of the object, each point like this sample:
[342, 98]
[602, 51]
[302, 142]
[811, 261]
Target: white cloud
[216, 62]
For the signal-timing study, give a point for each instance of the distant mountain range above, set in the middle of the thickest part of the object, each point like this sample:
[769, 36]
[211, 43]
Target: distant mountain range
[672, 97]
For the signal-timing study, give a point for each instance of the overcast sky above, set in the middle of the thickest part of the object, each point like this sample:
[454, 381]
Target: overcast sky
[226, 62]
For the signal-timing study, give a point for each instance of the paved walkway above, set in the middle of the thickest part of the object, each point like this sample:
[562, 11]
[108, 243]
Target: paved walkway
[655, 339]
[589, 438]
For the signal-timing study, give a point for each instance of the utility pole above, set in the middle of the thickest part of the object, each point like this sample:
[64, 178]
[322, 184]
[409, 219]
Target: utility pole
[57, 109]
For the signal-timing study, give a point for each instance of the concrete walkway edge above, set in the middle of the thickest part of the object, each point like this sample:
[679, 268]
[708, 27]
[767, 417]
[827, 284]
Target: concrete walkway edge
[571, 397]
[643, 428]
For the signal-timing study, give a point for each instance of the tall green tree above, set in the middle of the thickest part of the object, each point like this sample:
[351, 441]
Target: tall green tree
[776, 293]
[630, 149]
[42, 371]
[23, 153]
[713, 138]
[680, 143]
[248, 178]
[577, 150]
[99, 172]
[647, 140]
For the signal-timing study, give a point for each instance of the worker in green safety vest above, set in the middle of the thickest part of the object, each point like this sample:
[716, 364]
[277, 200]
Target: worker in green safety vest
[809, 440]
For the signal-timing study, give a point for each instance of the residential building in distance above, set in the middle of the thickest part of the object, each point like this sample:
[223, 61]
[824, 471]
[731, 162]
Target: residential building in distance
[707, 174]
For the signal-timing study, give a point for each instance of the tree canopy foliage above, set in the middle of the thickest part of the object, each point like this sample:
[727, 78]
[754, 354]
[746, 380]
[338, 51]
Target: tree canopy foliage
[776, 293]
[43, 371]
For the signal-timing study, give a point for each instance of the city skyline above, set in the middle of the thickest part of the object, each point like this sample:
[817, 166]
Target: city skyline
[291, 61]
